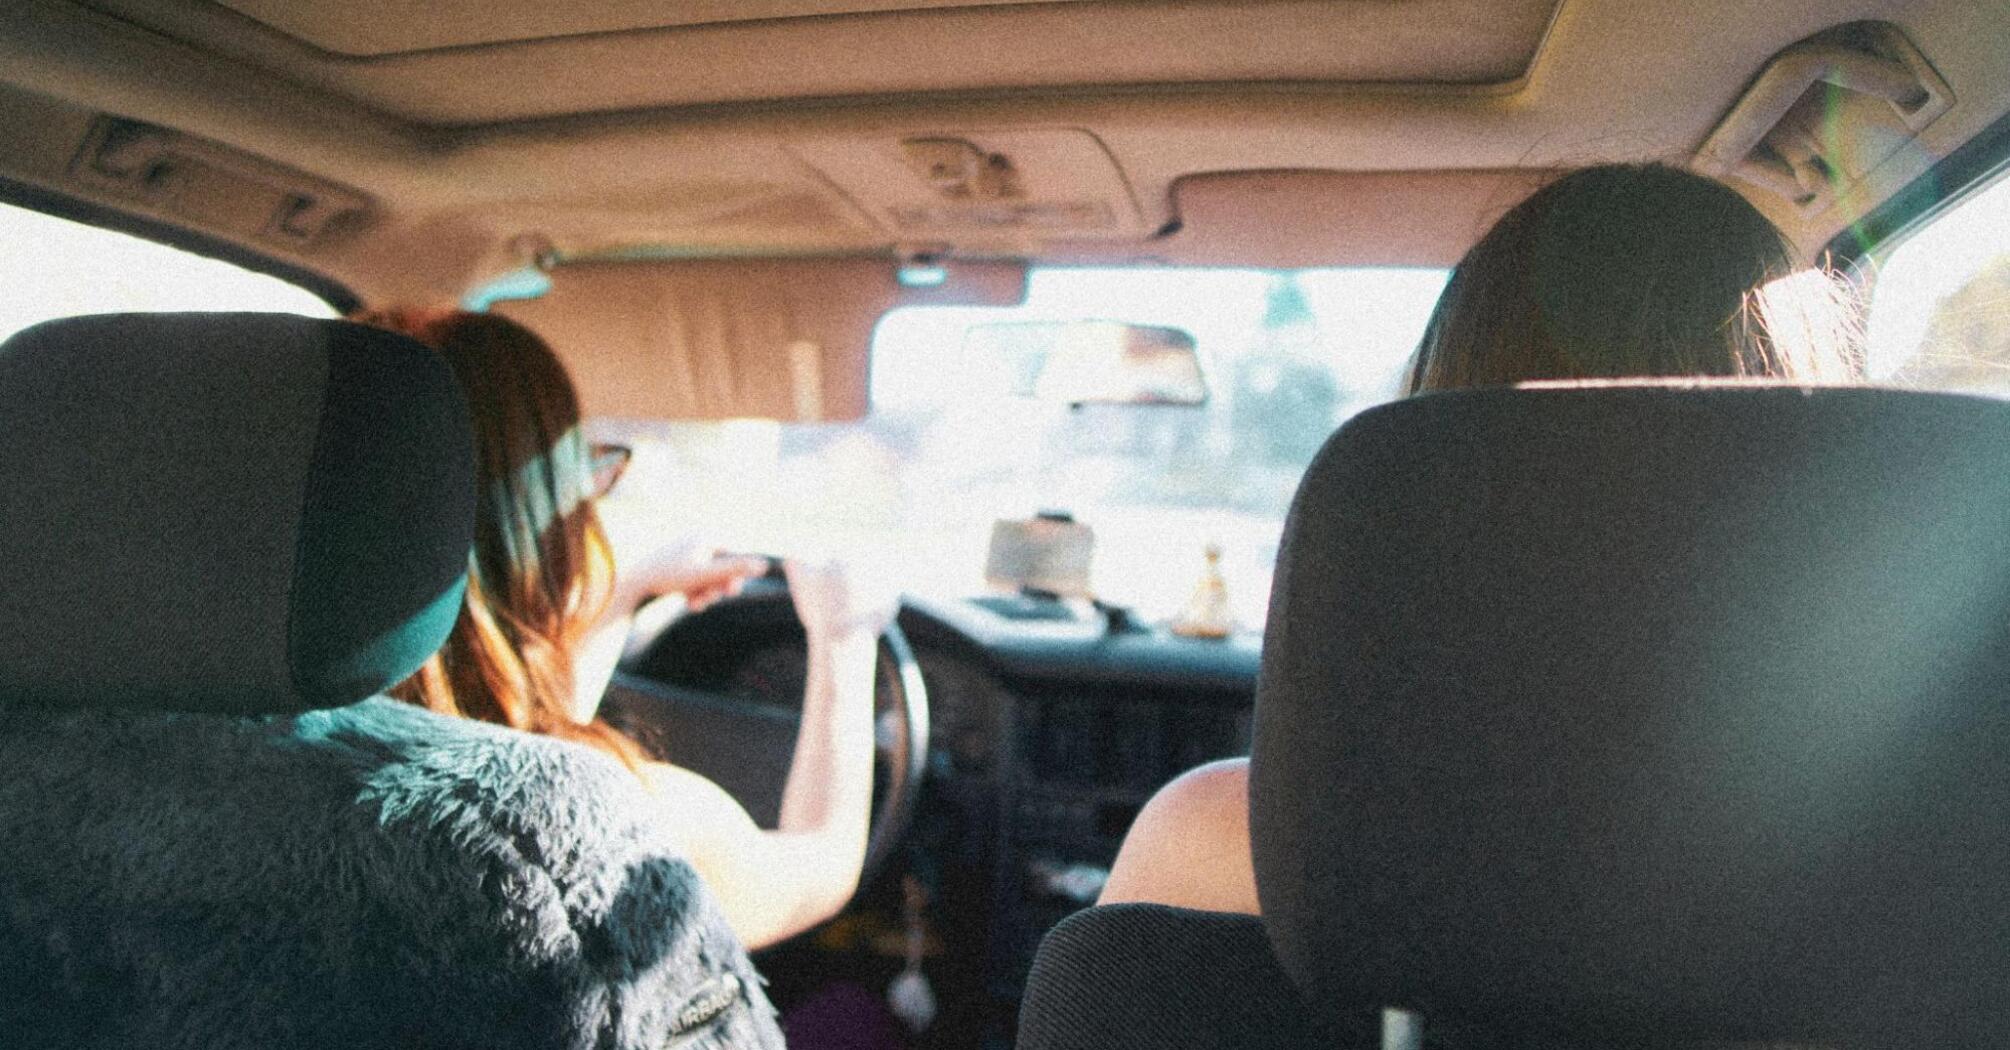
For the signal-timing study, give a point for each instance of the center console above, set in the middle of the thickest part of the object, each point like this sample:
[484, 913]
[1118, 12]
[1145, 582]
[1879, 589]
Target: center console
[1079, 766]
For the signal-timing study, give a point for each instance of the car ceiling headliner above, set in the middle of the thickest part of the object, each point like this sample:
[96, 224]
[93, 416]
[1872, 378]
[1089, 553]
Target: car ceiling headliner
[1371, 131]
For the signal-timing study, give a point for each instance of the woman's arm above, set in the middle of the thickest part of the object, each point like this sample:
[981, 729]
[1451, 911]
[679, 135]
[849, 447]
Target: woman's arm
[774, 884]
[1189, 846]
[771, 884]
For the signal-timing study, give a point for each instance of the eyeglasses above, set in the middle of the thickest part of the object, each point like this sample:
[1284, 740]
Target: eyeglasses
[608, 462]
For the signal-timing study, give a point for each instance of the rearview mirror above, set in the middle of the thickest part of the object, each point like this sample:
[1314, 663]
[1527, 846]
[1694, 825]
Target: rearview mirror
[1091, 362]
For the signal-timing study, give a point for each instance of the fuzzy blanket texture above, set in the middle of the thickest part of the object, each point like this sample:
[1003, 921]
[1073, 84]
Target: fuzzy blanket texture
[370, 876]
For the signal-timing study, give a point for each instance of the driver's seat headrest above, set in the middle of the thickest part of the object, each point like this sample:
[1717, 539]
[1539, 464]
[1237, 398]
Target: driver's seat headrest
[238, 513]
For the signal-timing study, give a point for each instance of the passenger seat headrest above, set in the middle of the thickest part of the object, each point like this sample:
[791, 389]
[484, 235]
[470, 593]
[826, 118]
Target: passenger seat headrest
[1647, 716]
[239, 513]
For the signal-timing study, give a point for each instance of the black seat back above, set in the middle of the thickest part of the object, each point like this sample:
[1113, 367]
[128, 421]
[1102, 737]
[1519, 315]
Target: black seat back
[1149, 977]
[1644, 715]
[221, 534]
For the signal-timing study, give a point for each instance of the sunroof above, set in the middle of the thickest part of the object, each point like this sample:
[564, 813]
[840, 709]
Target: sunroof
[388, 27]
[512, 60]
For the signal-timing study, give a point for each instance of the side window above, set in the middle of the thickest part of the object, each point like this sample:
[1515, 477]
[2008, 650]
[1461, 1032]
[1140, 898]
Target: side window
[1940, 308]
[51, 267]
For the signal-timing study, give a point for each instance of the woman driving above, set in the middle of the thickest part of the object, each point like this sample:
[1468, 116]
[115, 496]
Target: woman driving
[1610, 272]
[550, 599]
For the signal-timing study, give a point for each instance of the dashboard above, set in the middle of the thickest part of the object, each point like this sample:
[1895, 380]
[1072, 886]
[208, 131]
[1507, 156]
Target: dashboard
[1051, 727]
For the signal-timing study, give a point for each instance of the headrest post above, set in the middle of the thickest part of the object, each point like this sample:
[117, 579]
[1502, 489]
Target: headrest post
[1402, 1029]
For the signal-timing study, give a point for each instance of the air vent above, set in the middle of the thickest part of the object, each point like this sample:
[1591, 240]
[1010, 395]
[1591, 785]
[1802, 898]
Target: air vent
[213, 186]
[1826, 112]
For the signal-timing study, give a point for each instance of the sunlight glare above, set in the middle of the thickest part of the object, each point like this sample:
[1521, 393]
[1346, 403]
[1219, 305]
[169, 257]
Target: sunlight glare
[1934, 263]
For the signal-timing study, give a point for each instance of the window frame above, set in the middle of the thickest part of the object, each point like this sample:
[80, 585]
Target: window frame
[90, 213]
[1972, 167]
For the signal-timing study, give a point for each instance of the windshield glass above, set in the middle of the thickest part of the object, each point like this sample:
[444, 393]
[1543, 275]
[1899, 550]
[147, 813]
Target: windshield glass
[1287, 355]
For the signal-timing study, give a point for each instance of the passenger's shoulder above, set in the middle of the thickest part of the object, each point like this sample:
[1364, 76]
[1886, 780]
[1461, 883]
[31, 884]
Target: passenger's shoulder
[1216, 793]
[1189, 847]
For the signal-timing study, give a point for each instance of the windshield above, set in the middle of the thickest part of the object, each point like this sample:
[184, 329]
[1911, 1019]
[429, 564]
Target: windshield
[1288, 356]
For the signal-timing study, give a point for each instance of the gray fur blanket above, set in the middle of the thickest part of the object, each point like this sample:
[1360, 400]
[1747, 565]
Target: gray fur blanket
[372, 876]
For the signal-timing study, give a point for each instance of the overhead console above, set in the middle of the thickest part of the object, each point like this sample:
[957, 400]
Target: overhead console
[1007, 186]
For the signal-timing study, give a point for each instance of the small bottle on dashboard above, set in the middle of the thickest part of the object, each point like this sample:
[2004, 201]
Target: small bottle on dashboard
[1206, 614]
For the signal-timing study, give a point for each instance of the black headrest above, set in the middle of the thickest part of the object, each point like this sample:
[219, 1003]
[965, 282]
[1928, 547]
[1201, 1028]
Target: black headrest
[226, 512]
[1648, 716]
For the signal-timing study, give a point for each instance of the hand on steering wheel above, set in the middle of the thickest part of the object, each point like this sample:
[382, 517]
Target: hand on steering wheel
[712, 737]
[714, 579]
[833, 599]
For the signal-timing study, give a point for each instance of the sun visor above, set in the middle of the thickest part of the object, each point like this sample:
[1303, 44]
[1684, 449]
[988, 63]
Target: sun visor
[1339, 218]
[711, 339]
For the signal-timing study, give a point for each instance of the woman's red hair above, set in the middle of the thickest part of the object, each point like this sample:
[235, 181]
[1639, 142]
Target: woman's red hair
[541, 572]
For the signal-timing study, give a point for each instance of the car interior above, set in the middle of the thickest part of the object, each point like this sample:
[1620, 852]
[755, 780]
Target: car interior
[1566, 731]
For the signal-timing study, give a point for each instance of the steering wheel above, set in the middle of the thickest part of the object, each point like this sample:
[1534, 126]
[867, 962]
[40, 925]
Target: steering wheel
[719, 692]
[900, 745]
